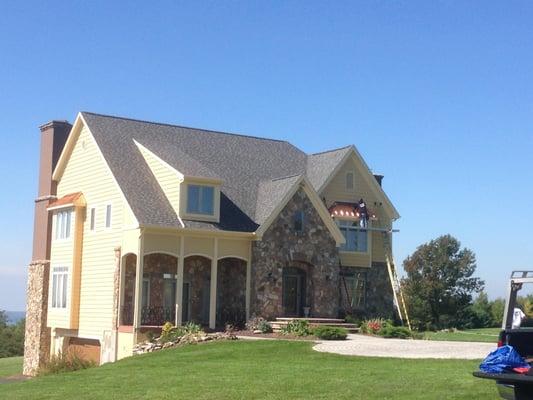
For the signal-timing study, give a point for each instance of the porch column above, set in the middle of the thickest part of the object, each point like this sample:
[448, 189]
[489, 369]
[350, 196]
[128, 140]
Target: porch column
[213, 295]
[137, 310]
[179, 283]
[248, 282]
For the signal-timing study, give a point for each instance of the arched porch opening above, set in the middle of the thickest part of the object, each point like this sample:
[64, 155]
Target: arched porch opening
[196, 289]
[129, 262]
[231, 292]
[158, 301]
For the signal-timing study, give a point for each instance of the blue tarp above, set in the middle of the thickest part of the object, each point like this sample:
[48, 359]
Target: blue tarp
[502, 359]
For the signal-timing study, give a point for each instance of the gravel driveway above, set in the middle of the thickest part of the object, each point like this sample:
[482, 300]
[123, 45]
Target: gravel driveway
[361, 345]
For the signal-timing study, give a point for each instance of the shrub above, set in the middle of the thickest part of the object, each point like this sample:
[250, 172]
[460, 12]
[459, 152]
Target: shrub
[253, 323]
[65, 362]
[330, 333]
[171, 333]
[390, 331]
[264, 327]
[298, 327]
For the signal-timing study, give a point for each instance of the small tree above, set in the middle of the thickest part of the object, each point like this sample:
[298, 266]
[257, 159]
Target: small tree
[496, 310]
[439, 283]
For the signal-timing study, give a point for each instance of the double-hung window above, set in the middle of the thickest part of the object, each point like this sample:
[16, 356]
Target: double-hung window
[63, 220]
[59, 287]
[200, 199]
[356, 238]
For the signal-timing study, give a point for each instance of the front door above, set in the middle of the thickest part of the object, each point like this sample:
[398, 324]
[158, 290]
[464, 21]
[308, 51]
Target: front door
[293, 292]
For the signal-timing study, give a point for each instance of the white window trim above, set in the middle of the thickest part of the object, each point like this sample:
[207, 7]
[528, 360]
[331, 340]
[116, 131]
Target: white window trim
[56, 226]
[184, 198]
[110, 216]
[60, 283]
[368, 237]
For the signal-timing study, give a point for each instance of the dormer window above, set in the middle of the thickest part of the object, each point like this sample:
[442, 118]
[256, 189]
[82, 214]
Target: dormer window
[200, 200]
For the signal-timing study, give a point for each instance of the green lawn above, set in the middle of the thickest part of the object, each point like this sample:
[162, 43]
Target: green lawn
[10, 366]
[259, 370]
[489, 335]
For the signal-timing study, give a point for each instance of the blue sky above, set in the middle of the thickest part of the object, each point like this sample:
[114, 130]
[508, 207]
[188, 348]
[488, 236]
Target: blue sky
[437, 96]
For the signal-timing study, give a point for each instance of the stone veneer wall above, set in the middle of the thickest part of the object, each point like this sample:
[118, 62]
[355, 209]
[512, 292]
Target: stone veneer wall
[281, 246]
[37, 337]
[378, 297]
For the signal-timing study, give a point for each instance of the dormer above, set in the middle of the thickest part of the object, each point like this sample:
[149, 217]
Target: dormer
[200, 199]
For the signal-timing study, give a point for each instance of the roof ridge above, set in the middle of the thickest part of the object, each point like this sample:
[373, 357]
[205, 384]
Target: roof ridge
[185, 127]
[331, 151]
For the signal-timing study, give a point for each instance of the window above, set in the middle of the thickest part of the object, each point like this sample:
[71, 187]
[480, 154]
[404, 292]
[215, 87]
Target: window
[92, 216]
[350, 181]
[299, 221]
[200, 199]
[356, 238]
[108, 216]
[63, 219]
[59, 287]
[356, 290]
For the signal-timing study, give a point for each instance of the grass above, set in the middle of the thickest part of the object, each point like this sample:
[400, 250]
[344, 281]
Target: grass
[259, 370]
[10, 366]
[488, 335]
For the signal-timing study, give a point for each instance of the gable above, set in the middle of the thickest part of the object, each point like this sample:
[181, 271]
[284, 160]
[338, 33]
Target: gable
[296, 185]
[365, 186]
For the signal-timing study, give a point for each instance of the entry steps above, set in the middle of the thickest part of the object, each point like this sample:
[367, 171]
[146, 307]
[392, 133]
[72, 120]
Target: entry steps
[314, 322]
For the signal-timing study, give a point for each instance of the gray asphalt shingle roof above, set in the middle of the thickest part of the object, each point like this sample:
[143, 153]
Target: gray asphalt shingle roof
[256, 172]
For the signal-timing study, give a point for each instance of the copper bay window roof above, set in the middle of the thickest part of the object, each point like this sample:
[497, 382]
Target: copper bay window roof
[341, 209]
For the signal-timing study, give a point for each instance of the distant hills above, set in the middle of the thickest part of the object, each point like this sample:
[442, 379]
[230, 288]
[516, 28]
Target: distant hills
[15, 316]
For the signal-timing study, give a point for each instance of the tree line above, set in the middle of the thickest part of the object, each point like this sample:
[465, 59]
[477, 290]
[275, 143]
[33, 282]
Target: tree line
[11, 337]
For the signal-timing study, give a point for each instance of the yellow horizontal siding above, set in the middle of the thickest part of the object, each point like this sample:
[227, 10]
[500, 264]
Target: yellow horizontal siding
[168, 179]
[87, 172]
[336, 191]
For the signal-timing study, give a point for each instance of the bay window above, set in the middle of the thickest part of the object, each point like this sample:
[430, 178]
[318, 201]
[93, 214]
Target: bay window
[356, 238]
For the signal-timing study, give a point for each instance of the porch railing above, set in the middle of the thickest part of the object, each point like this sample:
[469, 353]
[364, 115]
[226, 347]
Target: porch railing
[150, 316]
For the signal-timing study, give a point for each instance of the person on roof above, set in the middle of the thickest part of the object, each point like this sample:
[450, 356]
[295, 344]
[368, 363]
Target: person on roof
[363, 213]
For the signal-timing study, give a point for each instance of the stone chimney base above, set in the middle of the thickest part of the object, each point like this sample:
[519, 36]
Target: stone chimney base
[37, 338]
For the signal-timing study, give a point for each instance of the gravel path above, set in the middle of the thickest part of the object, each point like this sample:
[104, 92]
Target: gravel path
[361, 345]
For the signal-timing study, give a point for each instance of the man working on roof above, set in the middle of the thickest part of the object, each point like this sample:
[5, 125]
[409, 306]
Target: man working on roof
[518, 316]
[363, 214]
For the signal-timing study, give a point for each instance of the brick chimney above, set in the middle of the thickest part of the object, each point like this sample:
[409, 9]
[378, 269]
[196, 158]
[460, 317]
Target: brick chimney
[37, 338]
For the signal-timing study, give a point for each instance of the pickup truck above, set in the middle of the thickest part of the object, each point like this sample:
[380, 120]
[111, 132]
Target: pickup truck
[512, 385]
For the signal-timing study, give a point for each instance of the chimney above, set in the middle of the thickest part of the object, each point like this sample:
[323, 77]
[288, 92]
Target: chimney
[38, 336]
[53, 137]
[379, 178]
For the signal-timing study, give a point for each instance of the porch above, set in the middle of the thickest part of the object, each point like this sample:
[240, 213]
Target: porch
[203, 280]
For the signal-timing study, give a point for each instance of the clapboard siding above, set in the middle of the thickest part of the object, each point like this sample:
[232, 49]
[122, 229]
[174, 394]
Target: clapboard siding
[336, 191]
[87, 172]
[167, 177]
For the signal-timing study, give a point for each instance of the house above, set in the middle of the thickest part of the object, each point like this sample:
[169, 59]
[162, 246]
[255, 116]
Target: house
[138, 223]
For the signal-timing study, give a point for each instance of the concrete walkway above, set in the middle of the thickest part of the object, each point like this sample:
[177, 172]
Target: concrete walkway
[361, 345]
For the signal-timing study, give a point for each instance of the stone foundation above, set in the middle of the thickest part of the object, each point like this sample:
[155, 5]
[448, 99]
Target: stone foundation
[37, 337]
[312, 249]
